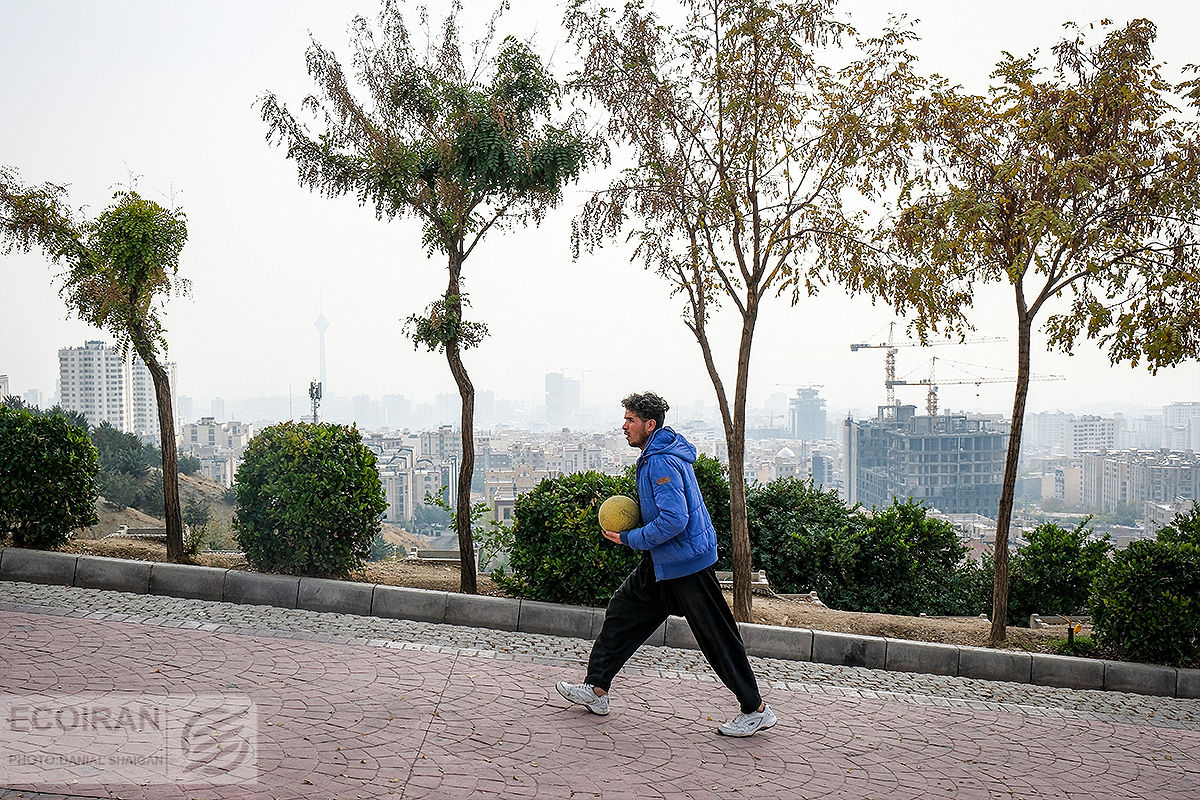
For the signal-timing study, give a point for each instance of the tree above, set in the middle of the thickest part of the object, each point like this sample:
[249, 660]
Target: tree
[1081, 181]
[47, 478]
[197, 515]
[1184, 528]
[119, 267]
[189, 465]
[744, 147]
[309, 501]
[464, 151]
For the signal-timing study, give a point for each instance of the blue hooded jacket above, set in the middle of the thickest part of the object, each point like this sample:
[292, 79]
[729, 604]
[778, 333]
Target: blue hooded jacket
[677, 529]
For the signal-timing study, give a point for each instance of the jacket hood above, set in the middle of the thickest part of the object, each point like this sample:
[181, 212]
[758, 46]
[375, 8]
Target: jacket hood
[665, 441]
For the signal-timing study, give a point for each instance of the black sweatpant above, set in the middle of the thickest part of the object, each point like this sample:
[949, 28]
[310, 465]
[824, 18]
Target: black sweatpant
[641, 604]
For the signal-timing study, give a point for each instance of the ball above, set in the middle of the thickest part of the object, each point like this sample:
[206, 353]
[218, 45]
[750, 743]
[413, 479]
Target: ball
[619, 513]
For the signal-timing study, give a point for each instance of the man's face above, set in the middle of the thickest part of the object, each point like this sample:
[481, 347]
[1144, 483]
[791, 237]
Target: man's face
[637, 430]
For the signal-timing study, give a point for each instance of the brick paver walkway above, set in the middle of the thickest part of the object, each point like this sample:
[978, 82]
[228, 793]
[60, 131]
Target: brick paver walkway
[389, 719]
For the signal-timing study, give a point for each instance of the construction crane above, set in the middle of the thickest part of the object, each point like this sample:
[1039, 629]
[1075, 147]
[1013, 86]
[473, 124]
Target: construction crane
[931, 401]
[889, 370]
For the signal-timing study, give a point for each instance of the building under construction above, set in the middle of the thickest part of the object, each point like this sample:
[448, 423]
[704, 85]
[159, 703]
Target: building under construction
[952, 462]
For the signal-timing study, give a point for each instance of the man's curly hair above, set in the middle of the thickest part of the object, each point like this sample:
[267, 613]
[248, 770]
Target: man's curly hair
[647, 405]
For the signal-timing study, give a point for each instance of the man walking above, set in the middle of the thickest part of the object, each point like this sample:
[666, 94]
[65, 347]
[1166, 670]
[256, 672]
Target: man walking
[675, 576]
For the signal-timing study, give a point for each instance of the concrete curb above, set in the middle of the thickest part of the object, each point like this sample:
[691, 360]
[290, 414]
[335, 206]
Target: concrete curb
[529, 616]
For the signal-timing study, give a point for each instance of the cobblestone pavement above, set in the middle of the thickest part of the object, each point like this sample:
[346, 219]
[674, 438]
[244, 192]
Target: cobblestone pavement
[357, 707]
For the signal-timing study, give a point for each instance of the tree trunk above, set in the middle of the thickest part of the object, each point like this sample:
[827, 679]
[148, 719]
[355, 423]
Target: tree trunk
[735, 440]
[170, 456]
[999, 630]
[468, 583]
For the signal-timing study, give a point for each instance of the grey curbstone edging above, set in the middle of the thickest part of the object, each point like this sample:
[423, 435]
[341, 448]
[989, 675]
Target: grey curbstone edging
[510, 614]
[401, 602]
[1067, 672]
[985, 664]
[598, 615]
[38, 566]
[1123, 676]
[553, 619]
[482, 611]
[849, 650]
[114, 574]
[1188, 683]
[771, 641]
[903, 655]
[189, 581]
[679, 634]
[341, 597]
[259, 589]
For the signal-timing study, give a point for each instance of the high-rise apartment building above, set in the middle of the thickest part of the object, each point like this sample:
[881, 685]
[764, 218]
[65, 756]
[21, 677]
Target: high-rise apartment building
[1179, 422]
[563, 397]
[952, 462]
[1113, 478]
[95, 381]
[806, 413]
[1088, 433]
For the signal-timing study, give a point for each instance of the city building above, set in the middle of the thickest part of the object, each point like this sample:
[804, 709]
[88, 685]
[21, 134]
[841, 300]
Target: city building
[218, 445]
[1157, 514]
[4, 391]
[563, 400]
[1115, 478]
[1181, 426]
[97, 382]
[954, 463]
[1081, 434]
[806, 413]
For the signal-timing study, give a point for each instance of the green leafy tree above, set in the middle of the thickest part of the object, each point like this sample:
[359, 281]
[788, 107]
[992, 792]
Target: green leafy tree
[47, 478]
[1053, 573]
[198, 516]
[118, 269]
[122, 452]
[309, 501]
[1184, 528]
[1078, 183]
[744, 147]
[464, 149]
[120, 489]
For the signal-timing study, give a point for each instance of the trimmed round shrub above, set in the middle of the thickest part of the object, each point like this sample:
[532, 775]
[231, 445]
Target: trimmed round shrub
[309, 500]
[902, 561]
[556, 550]
[47, 478]
[1146, 605]
[1054, 572]
[714, 488]
[797, 533]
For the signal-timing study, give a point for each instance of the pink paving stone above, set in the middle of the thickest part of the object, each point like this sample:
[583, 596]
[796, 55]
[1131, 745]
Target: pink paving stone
[446, 725]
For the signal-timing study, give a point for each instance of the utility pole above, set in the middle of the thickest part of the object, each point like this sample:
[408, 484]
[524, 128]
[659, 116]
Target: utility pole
[314, 394]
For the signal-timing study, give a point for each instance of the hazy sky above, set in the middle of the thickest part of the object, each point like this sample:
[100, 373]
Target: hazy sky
[94, 92]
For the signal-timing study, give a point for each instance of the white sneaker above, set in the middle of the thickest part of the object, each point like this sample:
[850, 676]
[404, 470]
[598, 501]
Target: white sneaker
[748, 724]
[583, 694]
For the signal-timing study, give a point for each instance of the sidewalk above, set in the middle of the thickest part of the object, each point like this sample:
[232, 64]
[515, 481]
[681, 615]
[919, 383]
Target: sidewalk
[355, 717]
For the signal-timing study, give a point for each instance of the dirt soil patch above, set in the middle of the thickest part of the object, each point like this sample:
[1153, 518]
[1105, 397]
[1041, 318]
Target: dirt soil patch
[768, 609]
